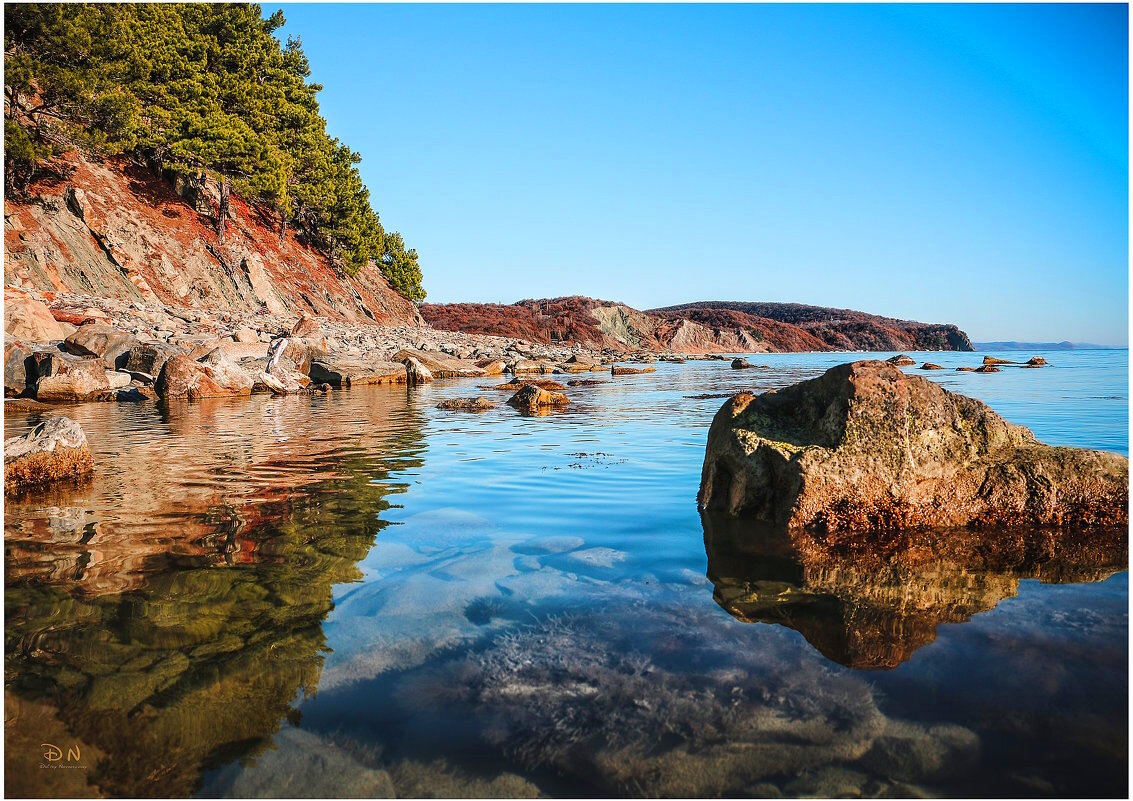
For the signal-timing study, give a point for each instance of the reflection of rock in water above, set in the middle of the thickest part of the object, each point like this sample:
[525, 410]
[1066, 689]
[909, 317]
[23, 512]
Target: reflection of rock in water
[576, 695]
[174, 641]
[872, 603]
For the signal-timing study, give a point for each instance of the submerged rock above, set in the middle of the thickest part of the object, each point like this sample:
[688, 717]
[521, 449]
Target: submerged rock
[931, 366]
[619, 370]
[466, 405]
[866, 447]
[901, 360]
[53, 450]
[532, 399]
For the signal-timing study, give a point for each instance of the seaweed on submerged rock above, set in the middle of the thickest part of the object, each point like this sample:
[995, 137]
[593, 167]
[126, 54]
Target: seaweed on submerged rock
[566, 695]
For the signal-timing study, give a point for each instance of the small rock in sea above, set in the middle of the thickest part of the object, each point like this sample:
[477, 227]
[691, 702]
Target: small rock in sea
[782, 459]
[53, 450]
[931, 366]
[987, 368]
[993, 360]
[515, 385]
[742, 364]
[466, 405]
[965, 369]
[1035, 361]
[532, 398]
[901, 360]
[619, 370]
[585, 382]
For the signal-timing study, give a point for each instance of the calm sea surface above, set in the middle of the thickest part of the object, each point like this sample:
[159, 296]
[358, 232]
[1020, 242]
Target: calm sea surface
[361, 595]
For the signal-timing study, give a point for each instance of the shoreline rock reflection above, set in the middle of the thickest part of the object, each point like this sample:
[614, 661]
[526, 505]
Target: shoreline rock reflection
[176, 643]
[871, 602]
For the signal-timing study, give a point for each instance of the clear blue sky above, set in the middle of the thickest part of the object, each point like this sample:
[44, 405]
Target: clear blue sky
[943, 163]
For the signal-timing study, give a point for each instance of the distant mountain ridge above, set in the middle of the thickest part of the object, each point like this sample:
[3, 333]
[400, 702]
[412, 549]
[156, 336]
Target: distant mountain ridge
[704, 327]
[1064, 345]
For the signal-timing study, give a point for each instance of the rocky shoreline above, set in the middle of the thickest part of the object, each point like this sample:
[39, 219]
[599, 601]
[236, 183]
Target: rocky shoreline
[67, 347]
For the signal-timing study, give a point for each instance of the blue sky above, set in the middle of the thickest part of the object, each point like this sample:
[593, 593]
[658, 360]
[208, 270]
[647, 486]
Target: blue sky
[942, 163]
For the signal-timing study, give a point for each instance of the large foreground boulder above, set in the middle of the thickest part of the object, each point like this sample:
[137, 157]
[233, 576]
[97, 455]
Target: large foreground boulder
[55, 449]
[866, 447]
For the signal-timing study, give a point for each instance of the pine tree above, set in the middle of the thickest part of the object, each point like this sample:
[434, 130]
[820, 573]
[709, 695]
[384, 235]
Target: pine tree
[204, 92]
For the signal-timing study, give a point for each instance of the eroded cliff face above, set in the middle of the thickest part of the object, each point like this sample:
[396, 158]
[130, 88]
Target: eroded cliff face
[115, 229]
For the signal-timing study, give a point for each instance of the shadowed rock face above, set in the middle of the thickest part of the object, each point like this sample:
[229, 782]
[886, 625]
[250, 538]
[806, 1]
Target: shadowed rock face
[872, 605]
[866, 447]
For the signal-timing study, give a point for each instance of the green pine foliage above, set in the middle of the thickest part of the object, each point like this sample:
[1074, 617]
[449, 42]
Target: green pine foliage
[203, 91]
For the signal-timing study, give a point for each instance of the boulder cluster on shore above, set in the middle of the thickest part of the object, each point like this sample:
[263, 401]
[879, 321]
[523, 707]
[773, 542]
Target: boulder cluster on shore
[82, 348]
[64, 348]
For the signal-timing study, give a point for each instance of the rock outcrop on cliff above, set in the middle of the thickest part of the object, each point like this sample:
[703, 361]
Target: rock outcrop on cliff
[694, 328]
[867, 447]
[117, 230]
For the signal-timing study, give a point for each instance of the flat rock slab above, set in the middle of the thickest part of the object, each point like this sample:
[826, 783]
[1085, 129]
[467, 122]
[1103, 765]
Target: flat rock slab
[867, 447]
[347, 372]
[441, 365]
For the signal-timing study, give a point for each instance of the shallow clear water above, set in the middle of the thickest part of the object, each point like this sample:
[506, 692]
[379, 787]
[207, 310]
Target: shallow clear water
[360, 594]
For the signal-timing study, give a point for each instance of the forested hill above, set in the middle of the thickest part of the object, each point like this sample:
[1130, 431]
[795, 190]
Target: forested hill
[204, 95]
